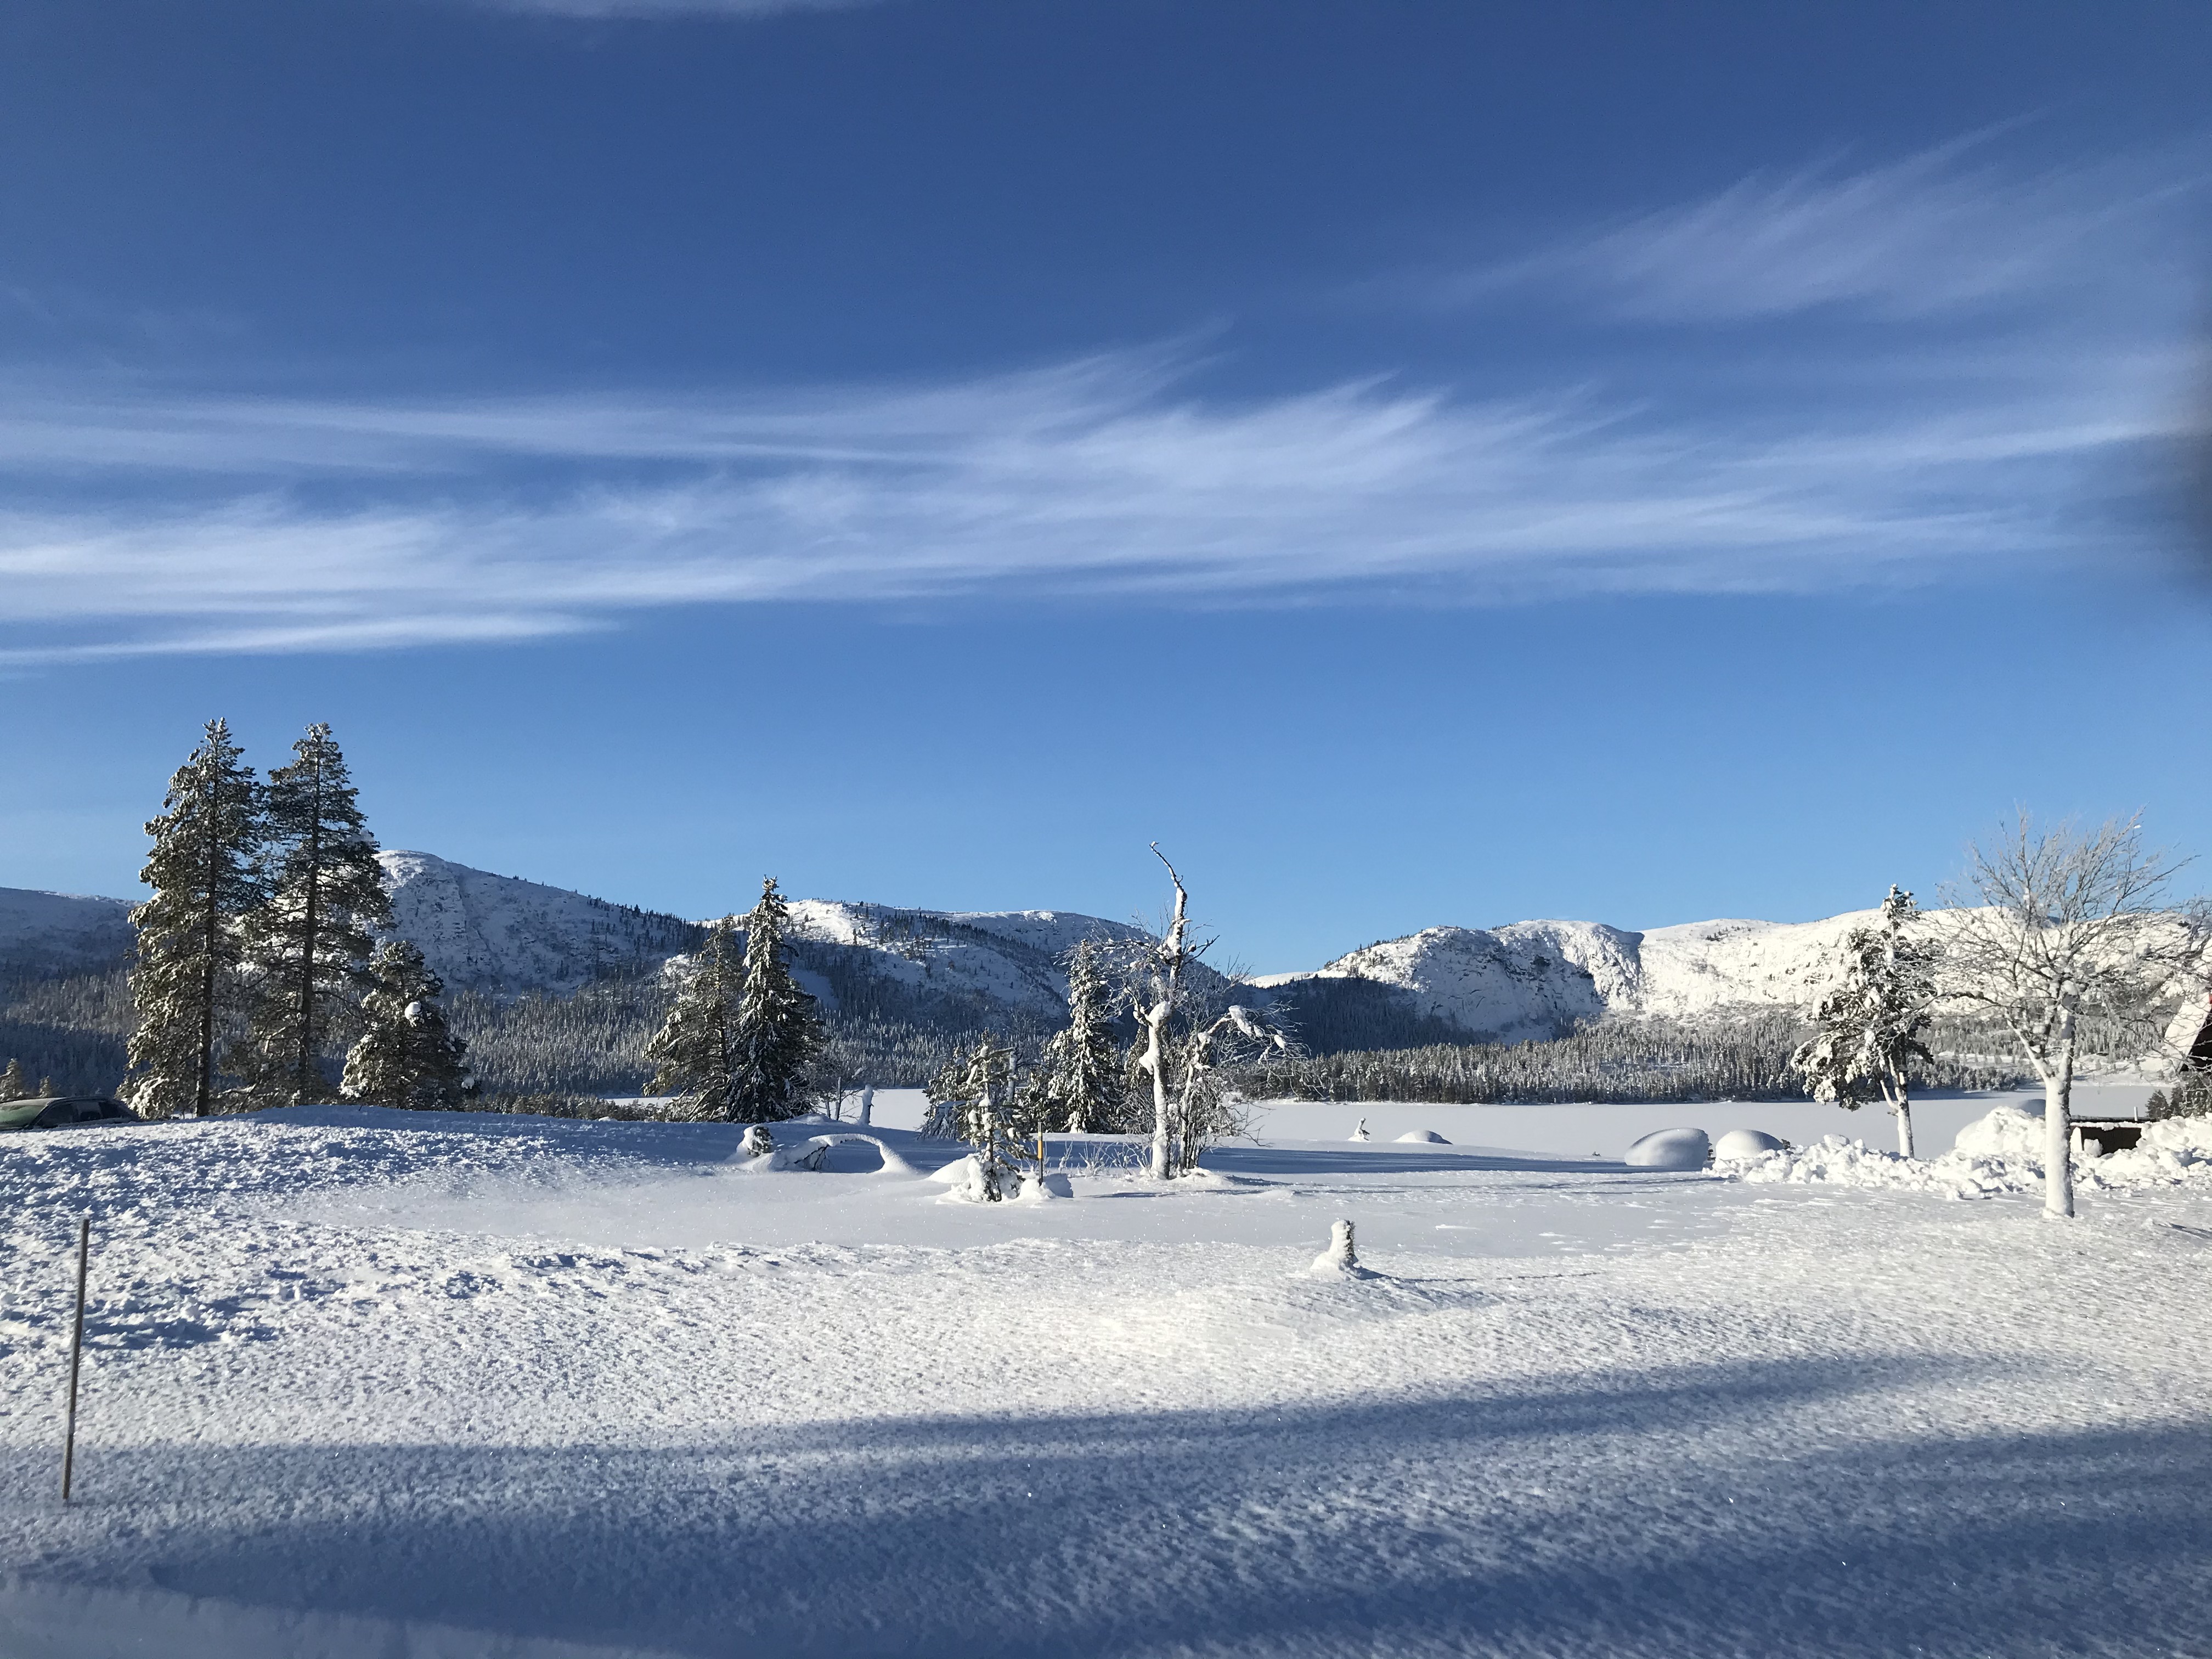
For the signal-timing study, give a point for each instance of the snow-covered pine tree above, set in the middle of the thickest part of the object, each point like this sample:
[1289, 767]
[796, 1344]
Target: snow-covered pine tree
[308, 945]
[777, 1032]
[693, 1054]
[988, 1087]
[1893, 966]
[1869, 1023]
[13, 1086]
[946, 1093]
[1081, 1080]
[405, 1055]
[46, 1089]
[206, 879]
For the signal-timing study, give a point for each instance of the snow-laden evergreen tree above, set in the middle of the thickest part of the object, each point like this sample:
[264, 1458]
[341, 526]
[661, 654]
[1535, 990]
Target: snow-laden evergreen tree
[1080, 1079]
[206, 879]
[405, 1055]
[778, 1034]
[988, 1087]
[13, 1086]
[693, 1054]
[308, 945]
[946, 1093]
[1869, 1023]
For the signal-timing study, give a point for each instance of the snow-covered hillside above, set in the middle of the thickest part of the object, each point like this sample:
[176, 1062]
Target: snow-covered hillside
[501, 934]
[507, 936]
[1008, 957]
[57, 932]
[1536, 979]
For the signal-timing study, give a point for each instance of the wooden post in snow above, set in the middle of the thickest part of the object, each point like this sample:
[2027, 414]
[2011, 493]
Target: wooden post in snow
[77, 1354]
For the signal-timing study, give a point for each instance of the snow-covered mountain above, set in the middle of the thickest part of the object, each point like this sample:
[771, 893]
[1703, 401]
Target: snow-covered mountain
[505, 935]
[1536, 979]
[1008, 958]
[44, 933]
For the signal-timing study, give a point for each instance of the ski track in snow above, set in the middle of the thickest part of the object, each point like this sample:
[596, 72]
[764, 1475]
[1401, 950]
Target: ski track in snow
[364, 1384]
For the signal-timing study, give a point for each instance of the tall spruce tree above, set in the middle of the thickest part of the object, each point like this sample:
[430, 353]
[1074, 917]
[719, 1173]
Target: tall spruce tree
[1081, 1075]
[405, 1055]
[1869, 1025]
[13, 1086]
[206, 880]
[778, 1032]
[309, 942]
[693, 1053]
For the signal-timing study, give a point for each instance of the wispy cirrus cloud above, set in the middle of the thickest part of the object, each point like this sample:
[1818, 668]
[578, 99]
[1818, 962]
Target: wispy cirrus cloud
[1934, 235]
[2002, 362]
[297, 525]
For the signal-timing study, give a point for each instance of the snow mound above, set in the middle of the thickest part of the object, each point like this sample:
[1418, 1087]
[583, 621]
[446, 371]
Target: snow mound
[1671, 1148]
[1746, 1143]
[1053, 1186]
[2013, 1132]
[1837, 1160]
[1999, 1153]
[1429, 1136]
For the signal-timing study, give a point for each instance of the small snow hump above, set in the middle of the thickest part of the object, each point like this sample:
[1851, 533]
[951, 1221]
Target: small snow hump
[1427, 1137]
[1748, 1142]
[1340, 1260]
[1671, 1148]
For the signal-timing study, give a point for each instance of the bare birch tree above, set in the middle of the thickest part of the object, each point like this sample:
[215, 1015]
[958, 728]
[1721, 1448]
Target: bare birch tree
[2058, 925]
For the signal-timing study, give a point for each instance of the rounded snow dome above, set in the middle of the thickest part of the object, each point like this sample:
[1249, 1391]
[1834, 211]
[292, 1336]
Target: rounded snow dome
[1428, 1135]
[1671, 1148]
[1746, 1143]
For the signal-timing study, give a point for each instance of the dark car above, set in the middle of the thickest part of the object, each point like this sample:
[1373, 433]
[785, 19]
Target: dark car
[64, 1112]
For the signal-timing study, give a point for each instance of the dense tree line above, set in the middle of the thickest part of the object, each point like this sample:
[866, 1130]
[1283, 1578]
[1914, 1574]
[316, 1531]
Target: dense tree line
[1744, 1058]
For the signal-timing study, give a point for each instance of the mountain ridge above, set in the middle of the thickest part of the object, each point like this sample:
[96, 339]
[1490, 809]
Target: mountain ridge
[505, 936]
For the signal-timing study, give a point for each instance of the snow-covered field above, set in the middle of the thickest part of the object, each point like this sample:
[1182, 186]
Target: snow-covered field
[361, 1383]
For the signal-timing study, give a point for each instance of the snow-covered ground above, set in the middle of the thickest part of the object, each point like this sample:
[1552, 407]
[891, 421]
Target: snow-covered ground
[361, 1384]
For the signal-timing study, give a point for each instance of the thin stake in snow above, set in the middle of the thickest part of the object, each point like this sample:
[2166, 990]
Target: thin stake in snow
[77, 1354]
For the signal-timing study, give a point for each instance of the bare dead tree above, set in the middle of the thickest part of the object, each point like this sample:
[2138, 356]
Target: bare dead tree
[1162, 982]
[1238, 1039]
[2055, 926]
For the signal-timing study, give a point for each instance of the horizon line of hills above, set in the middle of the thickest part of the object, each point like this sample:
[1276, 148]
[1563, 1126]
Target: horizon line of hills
[500, 938]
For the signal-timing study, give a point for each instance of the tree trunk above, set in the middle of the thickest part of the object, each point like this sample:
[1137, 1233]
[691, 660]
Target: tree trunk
[1901, 1104]
[2058, 1133]
[309, 942]
[211, 926]
[1155, 1062]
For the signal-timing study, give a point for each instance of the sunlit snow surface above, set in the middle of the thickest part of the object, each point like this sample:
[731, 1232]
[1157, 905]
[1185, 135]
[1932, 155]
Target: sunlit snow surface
[361, 1383]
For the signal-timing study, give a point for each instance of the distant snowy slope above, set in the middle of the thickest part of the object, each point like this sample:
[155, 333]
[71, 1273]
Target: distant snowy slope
[502, 934]
[45, 933]
[505, 935]
[1537, 979]
[1702, 965]
[1010, 959]
[1510, 986]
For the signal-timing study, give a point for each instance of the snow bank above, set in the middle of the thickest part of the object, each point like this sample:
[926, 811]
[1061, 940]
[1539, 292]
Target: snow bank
[1429, 1137]
[1671, 1148]
[2001, 1153]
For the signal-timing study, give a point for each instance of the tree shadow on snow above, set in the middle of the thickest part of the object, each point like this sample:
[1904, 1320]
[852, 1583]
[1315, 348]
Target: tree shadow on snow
[1702, 1510]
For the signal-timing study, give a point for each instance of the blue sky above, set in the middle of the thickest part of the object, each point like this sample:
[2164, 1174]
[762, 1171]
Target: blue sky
[1421, 462]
